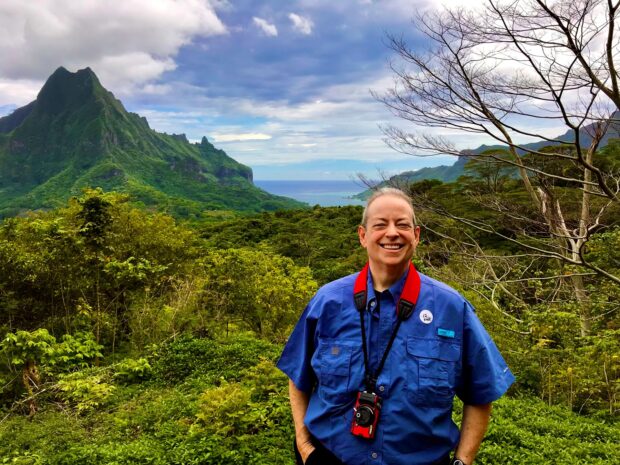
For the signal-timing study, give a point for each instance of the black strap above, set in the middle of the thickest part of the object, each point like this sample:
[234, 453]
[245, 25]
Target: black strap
[370, 379]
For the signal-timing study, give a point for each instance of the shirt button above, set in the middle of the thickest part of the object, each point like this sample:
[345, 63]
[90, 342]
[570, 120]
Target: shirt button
[374, 455]
[381, 388]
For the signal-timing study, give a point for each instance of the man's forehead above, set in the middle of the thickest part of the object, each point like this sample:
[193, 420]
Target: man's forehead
[391, 216]
[390, 206]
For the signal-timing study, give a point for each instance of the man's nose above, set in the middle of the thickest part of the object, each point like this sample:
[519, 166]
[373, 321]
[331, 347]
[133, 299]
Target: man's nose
[392, 230]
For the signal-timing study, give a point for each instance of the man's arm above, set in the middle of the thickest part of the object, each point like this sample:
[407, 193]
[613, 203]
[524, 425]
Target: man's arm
[299, 406]
[473, 428]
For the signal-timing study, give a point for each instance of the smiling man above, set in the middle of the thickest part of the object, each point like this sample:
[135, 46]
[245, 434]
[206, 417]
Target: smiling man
[377, 357]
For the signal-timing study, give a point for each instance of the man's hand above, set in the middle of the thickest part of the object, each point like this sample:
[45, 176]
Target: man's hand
[473, 427]
[299, 406]
[305, 449]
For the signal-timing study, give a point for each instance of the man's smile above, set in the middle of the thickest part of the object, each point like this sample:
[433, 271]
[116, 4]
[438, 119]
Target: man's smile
[392, 246]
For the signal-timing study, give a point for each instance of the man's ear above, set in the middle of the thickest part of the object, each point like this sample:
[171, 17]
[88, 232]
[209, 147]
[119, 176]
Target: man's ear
[416, 235]
[361, 232]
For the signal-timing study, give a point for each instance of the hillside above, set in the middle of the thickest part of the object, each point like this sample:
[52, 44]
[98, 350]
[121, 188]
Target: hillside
[224, 402]
[76, 134]
[150, 341]
[450, 173]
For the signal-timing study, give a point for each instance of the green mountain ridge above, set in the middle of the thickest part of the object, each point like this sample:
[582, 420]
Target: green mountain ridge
[76, 134]
[450, 173]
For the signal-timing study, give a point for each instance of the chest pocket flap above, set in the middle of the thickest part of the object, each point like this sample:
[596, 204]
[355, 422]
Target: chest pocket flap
[434, 364]
[437, 349]
[335, 357]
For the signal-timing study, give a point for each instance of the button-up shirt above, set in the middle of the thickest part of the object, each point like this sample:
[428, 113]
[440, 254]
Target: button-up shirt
[441, 351]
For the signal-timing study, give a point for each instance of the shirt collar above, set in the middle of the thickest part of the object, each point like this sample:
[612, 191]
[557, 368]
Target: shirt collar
[395, 289]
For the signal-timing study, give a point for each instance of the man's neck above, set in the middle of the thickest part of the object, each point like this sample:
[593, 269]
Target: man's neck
[384, 277]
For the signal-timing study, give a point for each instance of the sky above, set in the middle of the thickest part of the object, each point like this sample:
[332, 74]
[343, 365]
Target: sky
[281, 86]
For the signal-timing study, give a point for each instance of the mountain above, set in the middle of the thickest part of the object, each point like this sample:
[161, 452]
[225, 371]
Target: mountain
[76, 134]
[450, 173]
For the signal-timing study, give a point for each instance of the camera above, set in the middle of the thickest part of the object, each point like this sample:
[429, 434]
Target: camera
[366, 415]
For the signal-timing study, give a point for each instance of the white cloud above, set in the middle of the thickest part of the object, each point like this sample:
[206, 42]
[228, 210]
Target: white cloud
[240, 137]
[126, 43]
[301, 24]
[18, 92]
[469, 4]
[267, 28]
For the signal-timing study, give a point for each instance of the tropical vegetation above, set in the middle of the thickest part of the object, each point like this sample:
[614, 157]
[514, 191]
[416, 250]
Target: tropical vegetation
[132, 337]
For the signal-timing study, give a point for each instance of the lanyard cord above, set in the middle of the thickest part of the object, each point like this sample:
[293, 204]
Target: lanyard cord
[370, 379]
[404, 308]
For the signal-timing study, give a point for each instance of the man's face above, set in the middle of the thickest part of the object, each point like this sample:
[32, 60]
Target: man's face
[390, 237]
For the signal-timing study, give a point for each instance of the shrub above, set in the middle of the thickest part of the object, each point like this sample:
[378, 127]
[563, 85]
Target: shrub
[212, 360]
[132, 370]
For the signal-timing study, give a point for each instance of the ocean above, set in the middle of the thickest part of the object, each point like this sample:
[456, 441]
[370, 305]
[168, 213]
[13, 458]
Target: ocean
[323, 193]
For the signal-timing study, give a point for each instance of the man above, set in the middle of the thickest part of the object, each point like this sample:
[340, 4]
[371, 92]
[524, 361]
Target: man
[373, 376]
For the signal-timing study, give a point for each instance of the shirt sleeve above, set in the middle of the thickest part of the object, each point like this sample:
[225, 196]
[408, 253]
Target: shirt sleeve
[485, 377]
[296, 357]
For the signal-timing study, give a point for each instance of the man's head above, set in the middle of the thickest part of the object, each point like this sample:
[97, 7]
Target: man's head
[388, 231]
[382, 192]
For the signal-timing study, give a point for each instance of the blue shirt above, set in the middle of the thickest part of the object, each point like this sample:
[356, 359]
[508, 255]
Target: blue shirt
[442, 350]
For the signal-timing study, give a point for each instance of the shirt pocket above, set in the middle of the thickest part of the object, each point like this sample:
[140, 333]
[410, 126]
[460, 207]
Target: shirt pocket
[335, 369]
[432, 367]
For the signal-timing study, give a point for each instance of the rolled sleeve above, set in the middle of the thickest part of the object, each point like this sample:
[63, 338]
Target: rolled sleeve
[486, 376]
[296, 357]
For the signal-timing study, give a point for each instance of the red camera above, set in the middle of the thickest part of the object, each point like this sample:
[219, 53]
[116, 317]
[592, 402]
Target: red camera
[366, 415]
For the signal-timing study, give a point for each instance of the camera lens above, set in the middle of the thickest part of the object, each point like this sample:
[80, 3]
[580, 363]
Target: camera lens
[364, 415]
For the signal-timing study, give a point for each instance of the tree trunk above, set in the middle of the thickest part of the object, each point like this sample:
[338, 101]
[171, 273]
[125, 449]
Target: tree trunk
[30, 378]
[584, 305]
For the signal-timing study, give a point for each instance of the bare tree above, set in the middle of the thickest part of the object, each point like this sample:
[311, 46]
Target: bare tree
[508, 73]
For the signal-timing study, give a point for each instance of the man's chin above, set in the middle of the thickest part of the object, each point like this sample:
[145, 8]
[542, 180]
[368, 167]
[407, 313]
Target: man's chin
[399, 262]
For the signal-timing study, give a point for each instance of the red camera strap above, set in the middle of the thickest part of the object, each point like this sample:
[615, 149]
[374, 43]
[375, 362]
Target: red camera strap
[408, 298]
[404, 309]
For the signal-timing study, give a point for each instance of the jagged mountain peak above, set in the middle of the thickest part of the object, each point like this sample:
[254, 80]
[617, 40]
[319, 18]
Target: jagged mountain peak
[76, 134]
[64, 90]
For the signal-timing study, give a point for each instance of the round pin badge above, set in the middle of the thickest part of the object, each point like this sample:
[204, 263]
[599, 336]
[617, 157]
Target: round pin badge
[426, 317]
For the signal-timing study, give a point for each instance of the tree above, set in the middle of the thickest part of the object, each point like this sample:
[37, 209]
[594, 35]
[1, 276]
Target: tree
[88, 263]
[507, 73]
[265, 291]
[34, 351]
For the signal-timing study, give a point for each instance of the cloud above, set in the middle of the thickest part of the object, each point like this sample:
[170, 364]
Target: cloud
[240, 137]
[127, 44]
[18, 92]
[301, 24]
[267, 28]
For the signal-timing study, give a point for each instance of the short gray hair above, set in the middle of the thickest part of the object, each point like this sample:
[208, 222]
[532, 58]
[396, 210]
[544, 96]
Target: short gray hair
[386, 191]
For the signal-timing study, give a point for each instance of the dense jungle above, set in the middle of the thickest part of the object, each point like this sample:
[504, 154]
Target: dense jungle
[132, 337]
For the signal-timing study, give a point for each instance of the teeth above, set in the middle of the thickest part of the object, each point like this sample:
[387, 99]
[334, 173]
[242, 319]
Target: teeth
[391, 246]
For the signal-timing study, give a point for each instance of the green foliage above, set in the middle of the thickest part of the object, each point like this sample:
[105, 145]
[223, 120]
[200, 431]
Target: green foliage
[105, 278]
[40, 347]
[131, 370]
[246, 420]
[604, 250]
[38, 352]
[84, 390]
[210, 359]
[164, 424]
[58, 265]
[24, 347]
[238, 414]
[263, 290]
[324, 239]
[488, 172]
[526, 431]
[76, 350]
